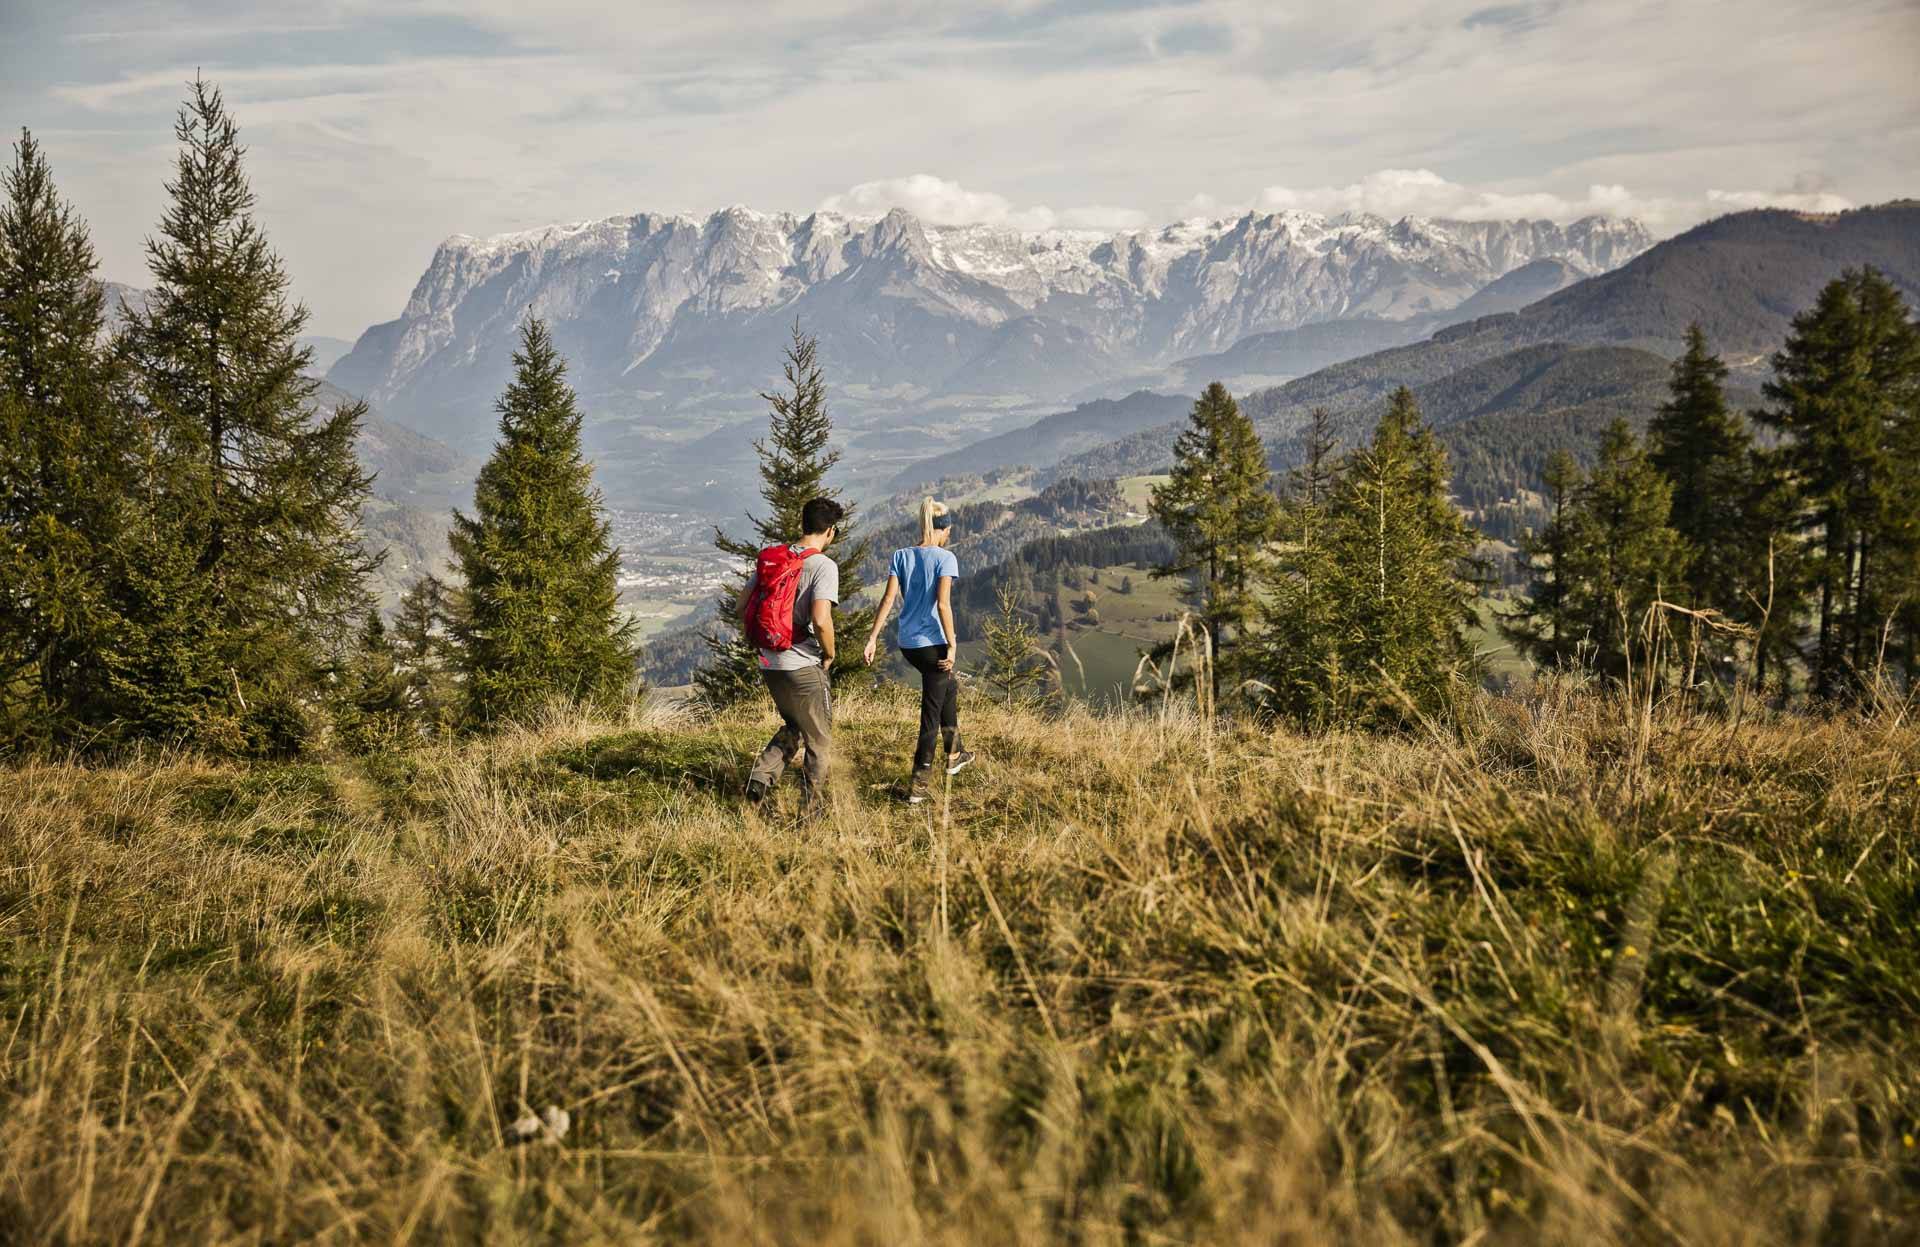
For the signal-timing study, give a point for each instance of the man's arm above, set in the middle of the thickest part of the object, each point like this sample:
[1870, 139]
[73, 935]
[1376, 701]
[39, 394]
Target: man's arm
[746, 595]
[823, 629]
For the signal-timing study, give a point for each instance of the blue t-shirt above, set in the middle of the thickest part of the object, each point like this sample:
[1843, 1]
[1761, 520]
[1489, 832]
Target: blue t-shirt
[918, 569]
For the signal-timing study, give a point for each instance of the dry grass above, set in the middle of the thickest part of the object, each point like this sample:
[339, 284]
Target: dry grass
[1571, 979]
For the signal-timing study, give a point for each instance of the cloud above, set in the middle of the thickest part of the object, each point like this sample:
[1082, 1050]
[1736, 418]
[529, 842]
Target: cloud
[431, 117]
[1396, 193]
[1390, 193]
[939, 201]
[1796, 200]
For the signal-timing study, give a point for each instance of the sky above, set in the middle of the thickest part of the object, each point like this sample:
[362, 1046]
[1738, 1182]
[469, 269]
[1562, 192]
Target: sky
[377, 128]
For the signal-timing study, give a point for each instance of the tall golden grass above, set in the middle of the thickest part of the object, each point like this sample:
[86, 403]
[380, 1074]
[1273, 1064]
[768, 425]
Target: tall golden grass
[1571, 974]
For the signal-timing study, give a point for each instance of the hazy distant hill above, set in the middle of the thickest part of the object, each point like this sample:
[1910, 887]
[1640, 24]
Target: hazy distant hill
[1525, 285]
[1743, 277]
[1264, 359]
[417, 482]
[326, 351]
[668, 316]
[1052, 438]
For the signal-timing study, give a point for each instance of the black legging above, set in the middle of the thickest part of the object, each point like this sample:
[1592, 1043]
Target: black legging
[939, 704]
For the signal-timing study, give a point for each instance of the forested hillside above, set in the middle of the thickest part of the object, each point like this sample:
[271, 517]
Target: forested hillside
[1741, 278]
[1503, 420]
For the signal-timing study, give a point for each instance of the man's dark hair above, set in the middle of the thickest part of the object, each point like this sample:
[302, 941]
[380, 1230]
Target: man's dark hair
[819, 515]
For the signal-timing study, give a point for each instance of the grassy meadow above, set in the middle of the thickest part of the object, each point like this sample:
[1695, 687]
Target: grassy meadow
[1576, 974]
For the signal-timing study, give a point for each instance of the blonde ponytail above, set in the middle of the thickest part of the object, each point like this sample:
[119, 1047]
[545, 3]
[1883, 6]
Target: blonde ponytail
[929, 509]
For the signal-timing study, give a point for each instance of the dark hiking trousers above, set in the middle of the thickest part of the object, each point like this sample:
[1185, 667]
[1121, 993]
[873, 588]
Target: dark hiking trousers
[939, 704]
[806, 723]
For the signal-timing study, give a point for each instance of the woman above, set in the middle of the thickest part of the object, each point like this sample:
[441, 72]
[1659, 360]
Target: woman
[921, 578]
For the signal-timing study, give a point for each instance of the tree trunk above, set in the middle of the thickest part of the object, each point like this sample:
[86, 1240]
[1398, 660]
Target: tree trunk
[1823, 653]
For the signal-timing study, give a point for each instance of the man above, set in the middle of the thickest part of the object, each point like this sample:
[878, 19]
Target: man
[796, 675]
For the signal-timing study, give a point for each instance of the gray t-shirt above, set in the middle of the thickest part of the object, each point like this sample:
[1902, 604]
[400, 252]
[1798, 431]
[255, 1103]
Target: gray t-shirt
[819, 582]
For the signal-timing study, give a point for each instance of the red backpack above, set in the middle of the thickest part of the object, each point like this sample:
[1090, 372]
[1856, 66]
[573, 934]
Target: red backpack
[769, 611]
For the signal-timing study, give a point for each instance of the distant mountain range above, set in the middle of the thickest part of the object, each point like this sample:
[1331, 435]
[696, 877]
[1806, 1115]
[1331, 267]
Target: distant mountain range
[669, 319]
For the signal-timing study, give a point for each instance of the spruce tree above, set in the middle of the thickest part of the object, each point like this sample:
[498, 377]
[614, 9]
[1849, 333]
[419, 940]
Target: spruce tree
[66, 463]
[1218, 507]
[1844, 398]
[1612, 555]
[795, 460]
[255, 499]
[1703, 450]
[539, 572]
[1777, 570]
[1544, 624]
[1014, 666]
[420, 638]
[1298, 638]
[375, 707]
[1398, 578]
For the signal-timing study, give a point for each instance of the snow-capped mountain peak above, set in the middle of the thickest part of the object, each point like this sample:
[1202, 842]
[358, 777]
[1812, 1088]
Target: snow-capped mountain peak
[655, 307]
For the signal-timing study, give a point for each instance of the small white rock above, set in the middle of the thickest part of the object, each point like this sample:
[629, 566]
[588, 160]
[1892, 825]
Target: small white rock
[552, 1123]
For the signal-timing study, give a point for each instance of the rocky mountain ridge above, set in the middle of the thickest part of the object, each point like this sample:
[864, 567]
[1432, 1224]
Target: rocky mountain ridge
[671, 314]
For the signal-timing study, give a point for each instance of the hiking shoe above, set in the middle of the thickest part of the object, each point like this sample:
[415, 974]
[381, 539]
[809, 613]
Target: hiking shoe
[958, 762]
[921, 792]
[757, 790]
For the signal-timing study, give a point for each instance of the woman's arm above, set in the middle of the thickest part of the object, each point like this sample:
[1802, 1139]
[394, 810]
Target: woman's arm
[946, 623]
[887, 600]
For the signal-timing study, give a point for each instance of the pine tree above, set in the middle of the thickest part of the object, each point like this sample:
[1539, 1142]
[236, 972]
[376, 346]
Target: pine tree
[1544, 624]
[794, 464]
[1014, 666]
[1612, 555]
[1704, 450]
[1777, 570]
[1398, 579]
[262, 496]
[1298, 639]
[1845, 397]
[375, 706]
[1218, 508]
[539, 572]
[421, 630]
[66, 463]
